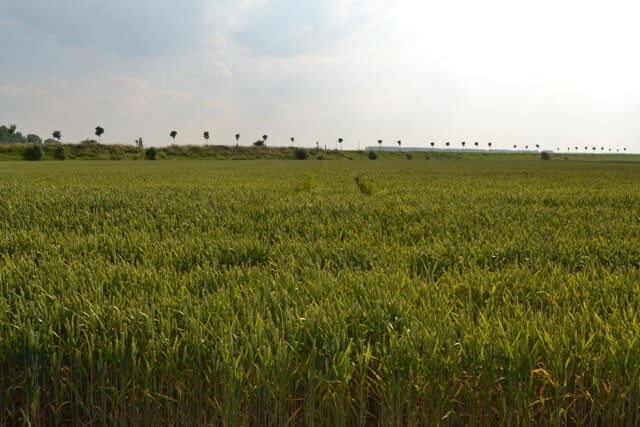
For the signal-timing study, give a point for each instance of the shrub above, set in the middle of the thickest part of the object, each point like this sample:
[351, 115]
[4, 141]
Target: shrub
[372, 155]
[409, 156]
[545, 155]
[258, 143]
[301, 154]
[320, 157]
[150, 153]
[32, 153]
[59, 153]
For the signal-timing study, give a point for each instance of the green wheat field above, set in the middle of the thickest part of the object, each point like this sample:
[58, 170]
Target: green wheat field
[388, 292]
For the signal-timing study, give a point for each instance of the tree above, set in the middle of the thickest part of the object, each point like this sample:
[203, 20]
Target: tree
[433, 144]
[57, 134]
[32, 153]
[447, 143]
[399, 145]
[150, 153]
[206, 137]
[237, 139]
[537, 146]
[476, 144]
[515, 146]
[12, 129]
[264, 138]
[34, 139]
[463, 144]
[99, 132]
[489, 144]
[173, 135]
[340, 142]
[380, 143]
[59, 153]
[292, 140]
[301, 154]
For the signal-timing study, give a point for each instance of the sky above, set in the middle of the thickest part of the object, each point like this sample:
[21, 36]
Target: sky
[554, 73]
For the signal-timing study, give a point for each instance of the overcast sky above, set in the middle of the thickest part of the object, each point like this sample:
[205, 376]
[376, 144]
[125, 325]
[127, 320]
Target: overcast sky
[558, 73]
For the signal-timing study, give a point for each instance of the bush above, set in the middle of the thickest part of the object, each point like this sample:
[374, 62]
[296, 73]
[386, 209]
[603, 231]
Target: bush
[372, 155]
[150, 153]
[545, 155]
[409, 156]
[59, 153]
[32, 153]
[301, 154]
[258, 143]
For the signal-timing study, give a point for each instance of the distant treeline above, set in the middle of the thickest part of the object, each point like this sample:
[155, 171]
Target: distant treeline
[9, 134]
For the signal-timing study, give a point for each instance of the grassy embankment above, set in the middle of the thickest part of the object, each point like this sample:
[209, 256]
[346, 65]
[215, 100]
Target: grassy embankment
[94, 151]
[327, 293]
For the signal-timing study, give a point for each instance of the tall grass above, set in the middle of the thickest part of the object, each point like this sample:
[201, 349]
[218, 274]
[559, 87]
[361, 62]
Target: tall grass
[281, 293]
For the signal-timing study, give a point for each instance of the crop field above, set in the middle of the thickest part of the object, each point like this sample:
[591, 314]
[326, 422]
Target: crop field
[398, 292]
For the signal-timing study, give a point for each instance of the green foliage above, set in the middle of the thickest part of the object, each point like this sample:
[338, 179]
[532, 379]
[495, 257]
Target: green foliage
[32, 153]
[409, 156]
[545, 155]
[259, 143]
[99, 131]
[59, 153]
[34, 139]
[8, 134]
[301, 154]
[150, 153]
[268, 293]
[372, 155]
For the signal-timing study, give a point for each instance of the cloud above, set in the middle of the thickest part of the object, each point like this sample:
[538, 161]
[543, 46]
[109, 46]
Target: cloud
[129, 28]
[290, 27]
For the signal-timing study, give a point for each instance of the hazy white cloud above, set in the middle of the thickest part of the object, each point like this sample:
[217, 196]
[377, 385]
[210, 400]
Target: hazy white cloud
[141, 27]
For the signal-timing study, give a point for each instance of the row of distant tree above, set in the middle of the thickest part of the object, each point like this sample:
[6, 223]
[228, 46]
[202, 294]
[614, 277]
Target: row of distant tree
[9, 134]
